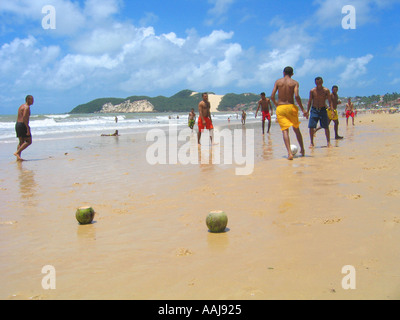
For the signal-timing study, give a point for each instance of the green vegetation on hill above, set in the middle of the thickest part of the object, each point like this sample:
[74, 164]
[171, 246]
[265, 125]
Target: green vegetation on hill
[375, 99]
[181, 102]
[96, 105]
[184, 100]
[231, 100]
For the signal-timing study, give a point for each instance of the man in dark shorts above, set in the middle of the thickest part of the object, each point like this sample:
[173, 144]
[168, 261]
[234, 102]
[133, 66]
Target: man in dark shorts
[22, 127]
[319, 112]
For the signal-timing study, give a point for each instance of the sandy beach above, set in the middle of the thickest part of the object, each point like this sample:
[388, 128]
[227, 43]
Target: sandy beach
[293, 225]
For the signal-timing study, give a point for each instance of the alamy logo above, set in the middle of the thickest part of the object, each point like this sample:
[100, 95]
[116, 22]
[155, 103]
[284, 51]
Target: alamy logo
[49, 20]
[349, 281]
[237, 148]
[349, 21]
[49, 280]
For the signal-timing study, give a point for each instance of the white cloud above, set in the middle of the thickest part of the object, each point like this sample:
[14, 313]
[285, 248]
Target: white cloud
[355, 69]
[24, 64]
[103, 9]
[69, 16]
[217, 13]
[108, 39]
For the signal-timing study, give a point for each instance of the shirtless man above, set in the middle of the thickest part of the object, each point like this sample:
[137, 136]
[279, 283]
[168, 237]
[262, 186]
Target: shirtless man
[334, 117]
[192, 119]
[319, 112]
[349, 111]
[265, 105]
[205, 121]
[287, 113]
[244, 116]
[22, 127]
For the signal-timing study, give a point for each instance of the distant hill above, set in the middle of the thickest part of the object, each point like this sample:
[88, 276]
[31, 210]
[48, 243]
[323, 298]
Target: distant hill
[184, 100]
[232, 101]
[181, 102]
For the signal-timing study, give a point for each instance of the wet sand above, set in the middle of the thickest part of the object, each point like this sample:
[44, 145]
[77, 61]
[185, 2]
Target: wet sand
[293, 225]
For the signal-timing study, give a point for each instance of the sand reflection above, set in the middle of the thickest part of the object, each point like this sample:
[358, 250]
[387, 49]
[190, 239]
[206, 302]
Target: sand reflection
[27, 185]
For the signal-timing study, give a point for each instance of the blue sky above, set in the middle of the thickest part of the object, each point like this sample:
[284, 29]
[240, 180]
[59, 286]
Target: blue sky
[119, 48]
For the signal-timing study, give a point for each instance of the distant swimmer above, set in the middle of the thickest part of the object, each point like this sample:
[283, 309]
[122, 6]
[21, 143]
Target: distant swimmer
[22, 127]
[266, 106]
[287, 113]
[205, 121]
[192, 119]
[349, 111]
[115, 134]
[317, 105]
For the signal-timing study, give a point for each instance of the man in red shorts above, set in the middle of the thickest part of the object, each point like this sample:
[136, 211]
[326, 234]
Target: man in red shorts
[265, 105]
[205, 121]
[349, 111]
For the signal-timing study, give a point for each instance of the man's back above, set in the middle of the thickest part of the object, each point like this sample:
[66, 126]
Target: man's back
[286, 89]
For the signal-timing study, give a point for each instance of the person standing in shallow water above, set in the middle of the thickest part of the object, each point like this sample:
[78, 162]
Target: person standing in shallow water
[22, 128]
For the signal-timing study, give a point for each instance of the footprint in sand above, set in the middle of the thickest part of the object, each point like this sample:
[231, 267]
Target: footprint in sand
[8, 223]
[331, 221]
[354, 196]
[393, 193]
[182, 252]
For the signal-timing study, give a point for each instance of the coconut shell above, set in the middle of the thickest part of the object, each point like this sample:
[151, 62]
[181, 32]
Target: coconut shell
[85, 215]
[217, 221]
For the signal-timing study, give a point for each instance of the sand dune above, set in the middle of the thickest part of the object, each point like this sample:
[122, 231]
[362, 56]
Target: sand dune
[214, 99]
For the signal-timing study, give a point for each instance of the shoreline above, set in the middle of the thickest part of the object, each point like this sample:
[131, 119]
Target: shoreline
[292, 226]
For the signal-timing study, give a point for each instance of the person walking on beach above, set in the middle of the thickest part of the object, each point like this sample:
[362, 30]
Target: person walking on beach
[317, 105]
[244, 115]
[192, 119]
[22, 128]
[334, 116]
[349, 111]
[265, 105]
[205, 121]
[287, 113]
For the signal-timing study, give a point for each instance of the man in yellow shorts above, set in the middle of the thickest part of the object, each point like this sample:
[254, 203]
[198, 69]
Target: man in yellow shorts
[287, 113]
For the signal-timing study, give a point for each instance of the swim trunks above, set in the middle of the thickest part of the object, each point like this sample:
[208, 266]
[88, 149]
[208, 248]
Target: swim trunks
[320, 115]
[287, 116]
[191, 123]
[209, 124]
[349, 114]
[21, 130]
[332, 117]
[266, 115]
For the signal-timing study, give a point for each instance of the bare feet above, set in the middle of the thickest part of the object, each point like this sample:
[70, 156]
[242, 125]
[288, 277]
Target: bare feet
[18, 157]
[290, 157]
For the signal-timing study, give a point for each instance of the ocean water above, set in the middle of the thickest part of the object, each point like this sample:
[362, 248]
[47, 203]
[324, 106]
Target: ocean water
[65, 126]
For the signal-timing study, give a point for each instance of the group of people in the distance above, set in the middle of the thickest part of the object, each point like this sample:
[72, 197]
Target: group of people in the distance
[287, 113]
